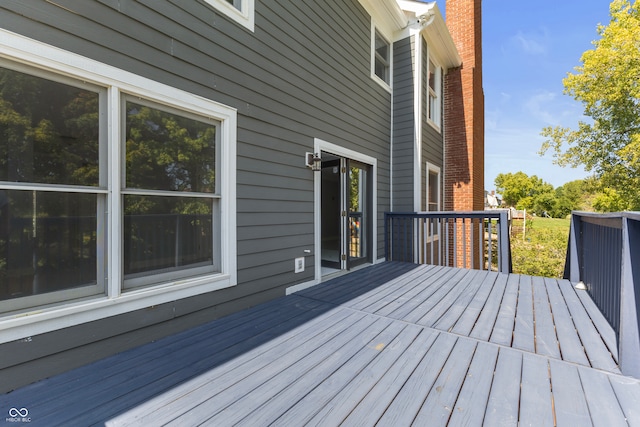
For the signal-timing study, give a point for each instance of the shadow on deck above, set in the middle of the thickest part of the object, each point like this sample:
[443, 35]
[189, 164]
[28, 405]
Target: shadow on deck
[392, 344]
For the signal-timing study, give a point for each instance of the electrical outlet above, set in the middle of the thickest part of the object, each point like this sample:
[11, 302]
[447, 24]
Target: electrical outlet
[299, 266]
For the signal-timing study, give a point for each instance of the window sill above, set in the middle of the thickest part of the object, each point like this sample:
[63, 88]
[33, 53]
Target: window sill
[381, 82]
[42, 320]
[434, 125]
[244, 17]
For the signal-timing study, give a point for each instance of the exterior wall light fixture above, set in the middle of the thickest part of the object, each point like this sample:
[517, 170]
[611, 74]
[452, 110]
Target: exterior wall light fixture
[314, 161]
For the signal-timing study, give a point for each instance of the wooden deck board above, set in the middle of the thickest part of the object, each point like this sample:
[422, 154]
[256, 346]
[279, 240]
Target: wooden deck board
[403, 409]
[472, 402]
[524, 332]
[238, 361]
[502, 332]
[420, 294]
[570, 404]
[216, 381]
[601, 324]
[372, 400]
[628, 394]
[503, 407]
[408, 292]
[280, 393]
[481, 303]
[546, 341]
[390, 291]
[568, 339]
[441, 400]
[435, 299]
[460, 305]
[332, 401]
[353, 352]
[536, 405]
[271, 379]
[604, 407]
[593, 342]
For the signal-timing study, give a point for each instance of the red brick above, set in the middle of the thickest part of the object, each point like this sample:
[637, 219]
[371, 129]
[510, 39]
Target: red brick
[464, 110]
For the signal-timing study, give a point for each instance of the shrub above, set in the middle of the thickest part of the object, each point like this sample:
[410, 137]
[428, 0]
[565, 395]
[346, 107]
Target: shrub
[543, 249]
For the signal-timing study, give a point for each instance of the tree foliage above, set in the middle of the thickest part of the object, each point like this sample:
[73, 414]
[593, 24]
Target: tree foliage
[539, 197]
[516, 186]
[608, 85]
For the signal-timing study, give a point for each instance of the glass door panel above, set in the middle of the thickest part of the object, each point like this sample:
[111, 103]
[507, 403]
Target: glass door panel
[330, 214]
[358, 213]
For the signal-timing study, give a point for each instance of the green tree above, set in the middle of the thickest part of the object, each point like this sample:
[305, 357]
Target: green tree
[608, 86]
[514, 187]
[544, 204]
[570, 197]
[609, 200]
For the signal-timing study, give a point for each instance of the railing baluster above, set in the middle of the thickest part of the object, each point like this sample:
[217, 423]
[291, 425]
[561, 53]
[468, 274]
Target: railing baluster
[489, 247]
[464, 239]
[447, 238]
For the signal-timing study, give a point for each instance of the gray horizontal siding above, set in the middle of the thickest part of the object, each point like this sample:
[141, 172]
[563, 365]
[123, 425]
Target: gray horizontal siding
[403, 124]
[304, 73]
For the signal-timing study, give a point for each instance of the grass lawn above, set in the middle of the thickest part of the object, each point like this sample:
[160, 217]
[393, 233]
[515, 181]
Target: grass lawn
[558, 224]
[542, 250]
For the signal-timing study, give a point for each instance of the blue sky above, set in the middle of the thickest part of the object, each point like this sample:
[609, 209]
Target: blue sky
[528, 48]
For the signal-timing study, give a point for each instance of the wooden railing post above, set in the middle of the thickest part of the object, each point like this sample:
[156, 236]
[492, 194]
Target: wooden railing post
[572, 264]
[629, 336]
[504, 256]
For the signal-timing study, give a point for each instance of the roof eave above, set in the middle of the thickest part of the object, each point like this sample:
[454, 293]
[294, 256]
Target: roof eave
[387, 14]
[436, 33]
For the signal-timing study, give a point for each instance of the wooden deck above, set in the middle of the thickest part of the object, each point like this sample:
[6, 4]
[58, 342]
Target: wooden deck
[391, 345]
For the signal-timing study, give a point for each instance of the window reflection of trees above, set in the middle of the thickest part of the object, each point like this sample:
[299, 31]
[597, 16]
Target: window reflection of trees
[50, 153]
[49, 134]
[169, 153]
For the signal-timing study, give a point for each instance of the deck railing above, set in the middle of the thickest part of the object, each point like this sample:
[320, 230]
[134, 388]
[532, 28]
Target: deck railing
[477, 240]
[604, 255]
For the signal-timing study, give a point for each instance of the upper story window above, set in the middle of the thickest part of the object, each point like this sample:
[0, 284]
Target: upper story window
[381, 58]
[433, 187]
[434, 106]
[241, 11]
[107, 186]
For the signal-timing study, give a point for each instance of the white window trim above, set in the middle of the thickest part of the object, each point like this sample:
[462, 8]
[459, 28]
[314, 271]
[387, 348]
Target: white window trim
[40, 320]
[438, 92]
[243, 13]
[433, 168]
[386, 85]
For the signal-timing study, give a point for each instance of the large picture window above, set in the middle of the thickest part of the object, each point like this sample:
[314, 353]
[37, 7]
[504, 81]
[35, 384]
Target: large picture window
[113, 196]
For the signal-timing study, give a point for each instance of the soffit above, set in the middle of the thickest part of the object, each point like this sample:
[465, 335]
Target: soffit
[387, 16]
[439, 40]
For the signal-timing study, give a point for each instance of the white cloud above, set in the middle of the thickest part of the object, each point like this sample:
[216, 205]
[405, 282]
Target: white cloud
[531, 44]
[540, 106]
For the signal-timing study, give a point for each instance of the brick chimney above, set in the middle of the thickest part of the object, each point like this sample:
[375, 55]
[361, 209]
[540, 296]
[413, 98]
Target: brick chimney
[464, 110]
